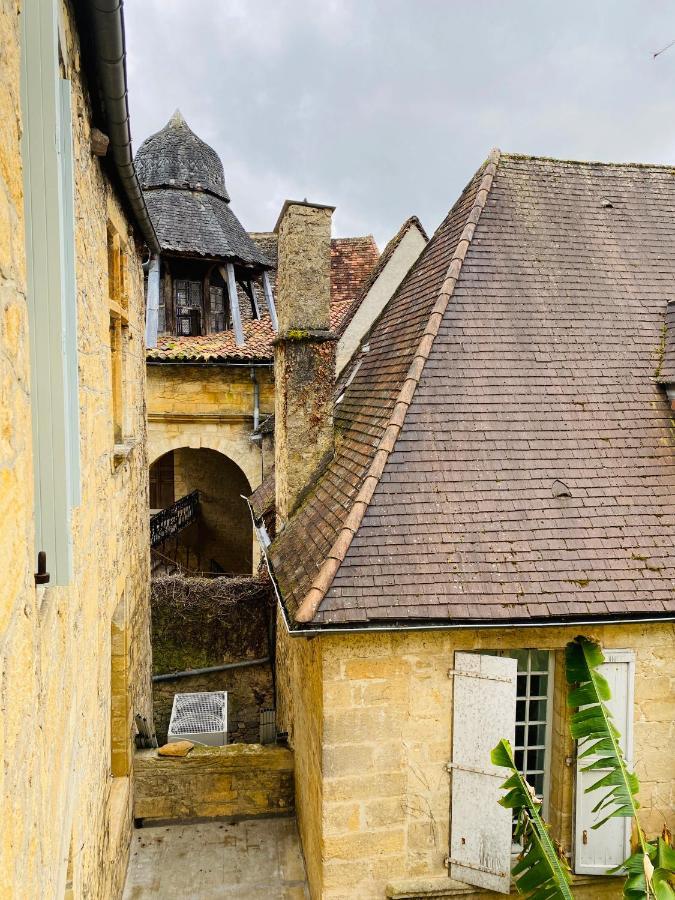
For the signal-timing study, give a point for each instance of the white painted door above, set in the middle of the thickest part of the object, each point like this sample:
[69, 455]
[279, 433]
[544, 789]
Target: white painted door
[484, 712]
[597, 851]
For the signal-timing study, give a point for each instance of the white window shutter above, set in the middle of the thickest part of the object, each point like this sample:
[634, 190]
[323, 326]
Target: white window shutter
[484, 712]
[597, 851]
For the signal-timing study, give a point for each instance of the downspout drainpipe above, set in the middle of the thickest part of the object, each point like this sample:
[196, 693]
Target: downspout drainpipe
[188, 673]
[107, 22]
[256, 399]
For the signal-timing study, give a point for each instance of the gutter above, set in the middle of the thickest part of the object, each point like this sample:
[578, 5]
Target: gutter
[107, 25]
[319, 630]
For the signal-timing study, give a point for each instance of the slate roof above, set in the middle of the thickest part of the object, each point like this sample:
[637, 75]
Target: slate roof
[351, 262]
[184, 190]
[504, 452]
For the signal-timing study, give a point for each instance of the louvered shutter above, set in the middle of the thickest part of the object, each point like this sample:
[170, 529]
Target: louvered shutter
[597, 851]
[484, 712]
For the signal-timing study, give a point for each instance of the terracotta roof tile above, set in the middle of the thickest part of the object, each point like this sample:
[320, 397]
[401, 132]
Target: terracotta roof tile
[352, 260]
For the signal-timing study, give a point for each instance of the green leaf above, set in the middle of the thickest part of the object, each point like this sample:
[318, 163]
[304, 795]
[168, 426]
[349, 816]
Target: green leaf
[540, 873]
[593, 725]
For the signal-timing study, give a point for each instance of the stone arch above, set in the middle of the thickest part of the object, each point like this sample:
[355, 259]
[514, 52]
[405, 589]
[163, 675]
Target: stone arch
[222, 538]
[239, 450]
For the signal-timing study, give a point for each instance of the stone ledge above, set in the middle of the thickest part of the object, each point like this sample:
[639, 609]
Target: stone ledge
[236, 780]
[441, 886]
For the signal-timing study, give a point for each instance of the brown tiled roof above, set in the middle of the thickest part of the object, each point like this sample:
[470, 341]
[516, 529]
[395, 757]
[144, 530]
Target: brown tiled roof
[352, 260]
[531, 476]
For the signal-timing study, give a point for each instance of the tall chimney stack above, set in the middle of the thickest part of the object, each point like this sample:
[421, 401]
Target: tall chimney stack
[304, 357]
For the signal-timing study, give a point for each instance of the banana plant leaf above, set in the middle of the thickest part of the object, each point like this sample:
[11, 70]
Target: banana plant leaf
[662, 872]
[592, 724]
[540, 873]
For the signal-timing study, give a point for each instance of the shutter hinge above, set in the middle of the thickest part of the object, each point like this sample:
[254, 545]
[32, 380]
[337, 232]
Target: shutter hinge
[481, 675]
[450, 860]
[453, 765]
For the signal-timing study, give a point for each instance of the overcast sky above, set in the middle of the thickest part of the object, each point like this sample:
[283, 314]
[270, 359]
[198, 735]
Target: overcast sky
[385, 108]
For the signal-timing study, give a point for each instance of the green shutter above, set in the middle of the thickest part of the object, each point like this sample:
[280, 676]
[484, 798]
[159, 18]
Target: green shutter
[48, 215]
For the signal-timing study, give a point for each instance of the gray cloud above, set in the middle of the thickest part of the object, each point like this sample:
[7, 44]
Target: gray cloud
[386, 107]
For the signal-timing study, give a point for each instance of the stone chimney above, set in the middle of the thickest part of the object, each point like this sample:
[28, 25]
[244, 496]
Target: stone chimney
[304, 358]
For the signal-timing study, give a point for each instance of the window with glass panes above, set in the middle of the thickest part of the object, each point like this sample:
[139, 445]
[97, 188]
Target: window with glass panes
[188, 299]
[533, 717]
[218, 319]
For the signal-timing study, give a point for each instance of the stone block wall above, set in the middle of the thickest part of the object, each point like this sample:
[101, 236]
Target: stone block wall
[67, 810]
[300, 704]
[237, 780]
[210, 407]
[384, 724]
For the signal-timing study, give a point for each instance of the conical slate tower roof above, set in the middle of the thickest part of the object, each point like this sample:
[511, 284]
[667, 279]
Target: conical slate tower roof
[183, 184]
[176, 157]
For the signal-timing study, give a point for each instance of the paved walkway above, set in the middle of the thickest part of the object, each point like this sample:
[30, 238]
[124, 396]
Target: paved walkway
[250, 860]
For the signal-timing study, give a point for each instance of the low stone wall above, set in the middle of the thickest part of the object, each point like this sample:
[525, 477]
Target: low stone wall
[237, 780]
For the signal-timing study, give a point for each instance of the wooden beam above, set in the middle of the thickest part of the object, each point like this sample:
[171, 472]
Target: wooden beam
[235, 312]
[269, 299]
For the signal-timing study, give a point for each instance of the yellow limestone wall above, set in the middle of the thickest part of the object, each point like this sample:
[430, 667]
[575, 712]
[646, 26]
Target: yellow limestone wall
[209, 406]
[57, 794]
[370, 722]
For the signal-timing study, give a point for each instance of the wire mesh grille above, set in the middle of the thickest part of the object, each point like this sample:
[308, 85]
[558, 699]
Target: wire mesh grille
[202, 712]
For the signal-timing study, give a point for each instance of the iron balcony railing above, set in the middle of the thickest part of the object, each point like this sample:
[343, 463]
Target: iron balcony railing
[168, 522]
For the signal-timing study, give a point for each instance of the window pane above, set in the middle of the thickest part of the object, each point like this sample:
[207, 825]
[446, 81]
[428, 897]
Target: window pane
[520, 735]
[518, 757]
[521, 656]
[537, 782]
[538, 685]
[537, 711]
[520, 710]
[536, 735]
[535, 760]
[539, 660]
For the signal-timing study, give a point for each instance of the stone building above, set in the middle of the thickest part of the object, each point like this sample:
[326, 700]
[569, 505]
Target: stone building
[492, 476]
[74, 648]
[210, 349]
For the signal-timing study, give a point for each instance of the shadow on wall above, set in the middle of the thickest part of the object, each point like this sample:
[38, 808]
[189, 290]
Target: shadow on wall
[222, 539]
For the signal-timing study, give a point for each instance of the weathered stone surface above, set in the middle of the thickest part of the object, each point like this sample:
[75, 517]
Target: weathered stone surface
[55, 658]
[237, 780]
[370, 722]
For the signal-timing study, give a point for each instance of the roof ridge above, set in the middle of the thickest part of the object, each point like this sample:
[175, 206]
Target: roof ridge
[586, 162]
[309, 606]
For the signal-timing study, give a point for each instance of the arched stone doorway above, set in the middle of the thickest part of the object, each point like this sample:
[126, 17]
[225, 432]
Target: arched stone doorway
[221, 540]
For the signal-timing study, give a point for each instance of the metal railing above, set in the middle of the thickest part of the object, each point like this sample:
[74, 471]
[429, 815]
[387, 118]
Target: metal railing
[168, 522]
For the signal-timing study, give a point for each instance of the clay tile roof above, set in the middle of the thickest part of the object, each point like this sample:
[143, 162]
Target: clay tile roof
[504, 452]
[352, 260]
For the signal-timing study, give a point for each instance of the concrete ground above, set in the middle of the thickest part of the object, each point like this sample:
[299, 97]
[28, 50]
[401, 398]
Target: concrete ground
[249, 860]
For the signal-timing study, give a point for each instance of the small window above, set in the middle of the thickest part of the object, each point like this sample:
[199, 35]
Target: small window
[117, 275]
[117, 339]
[218, 312]
[188, 301]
